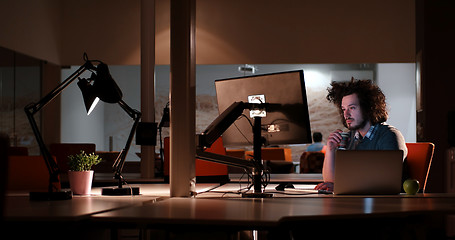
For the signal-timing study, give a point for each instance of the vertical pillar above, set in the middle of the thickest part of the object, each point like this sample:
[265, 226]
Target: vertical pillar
[148, 81]
[182, 98]
[50, 123]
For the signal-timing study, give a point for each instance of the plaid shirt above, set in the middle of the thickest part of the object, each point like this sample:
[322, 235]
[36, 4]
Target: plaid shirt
[369, 135]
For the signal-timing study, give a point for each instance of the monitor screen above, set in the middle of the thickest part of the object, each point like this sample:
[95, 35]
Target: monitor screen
[285, 122]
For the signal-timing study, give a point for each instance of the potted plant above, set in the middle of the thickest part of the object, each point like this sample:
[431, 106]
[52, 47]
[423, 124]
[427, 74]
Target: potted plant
[80, 174]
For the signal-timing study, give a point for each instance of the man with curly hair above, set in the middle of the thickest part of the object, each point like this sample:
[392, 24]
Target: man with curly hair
[363, 110]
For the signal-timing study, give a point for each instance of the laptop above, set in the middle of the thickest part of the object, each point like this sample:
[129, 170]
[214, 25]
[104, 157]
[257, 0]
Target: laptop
[368, 172]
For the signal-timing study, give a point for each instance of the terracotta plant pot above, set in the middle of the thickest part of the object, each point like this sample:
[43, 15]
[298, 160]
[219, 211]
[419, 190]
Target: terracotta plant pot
[81, 182]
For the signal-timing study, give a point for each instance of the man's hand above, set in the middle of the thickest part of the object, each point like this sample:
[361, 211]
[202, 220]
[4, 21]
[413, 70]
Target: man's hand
[334, 139]
[328, 186]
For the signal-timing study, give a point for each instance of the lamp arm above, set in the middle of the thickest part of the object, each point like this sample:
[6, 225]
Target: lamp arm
[117, 167]
[36, 107]
[32, 108]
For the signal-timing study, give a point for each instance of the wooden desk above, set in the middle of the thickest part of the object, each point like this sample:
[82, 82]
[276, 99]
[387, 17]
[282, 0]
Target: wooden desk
[308, 215]
[277, 216]
[18, 207]
[71, 219]
[271, 212]
[65, 219]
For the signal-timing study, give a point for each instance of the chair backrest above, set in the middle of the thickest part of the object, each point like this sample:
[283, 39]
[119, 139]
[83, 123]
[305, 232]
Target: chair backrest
[273, 153]
[419, 160]
[203, 168]
[27, 173]
[311, 162]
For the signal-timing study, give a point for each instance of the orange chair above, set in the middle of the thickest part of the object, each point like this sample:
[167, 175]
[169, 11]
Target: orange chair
[205, 171]
[27, 173]
[419, 160]
[273, 153]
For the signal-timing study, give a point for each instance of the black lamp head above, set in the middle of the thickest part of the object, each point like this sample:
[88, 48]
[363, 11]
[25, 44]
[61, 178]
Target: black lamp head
[88, 93]
[106, 88]
[100, 86]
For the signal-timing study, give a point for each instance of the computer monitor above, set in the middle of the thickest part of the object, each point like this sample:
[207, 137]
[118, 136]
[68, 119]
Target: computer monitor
[286, 120]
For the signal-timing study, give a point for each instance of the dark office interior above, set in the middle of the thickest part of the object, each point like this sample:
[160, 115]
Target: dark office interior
[45, 39]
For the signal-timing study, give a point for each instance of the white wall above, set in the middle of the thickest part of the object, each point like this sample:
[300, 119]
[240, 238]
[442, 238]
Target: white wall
[397, 81]
[117, 122]
[76, 126]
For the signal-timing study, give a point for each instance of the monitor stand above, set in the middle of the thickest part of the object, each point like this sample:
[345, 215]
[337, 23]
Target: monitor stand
[257, 172]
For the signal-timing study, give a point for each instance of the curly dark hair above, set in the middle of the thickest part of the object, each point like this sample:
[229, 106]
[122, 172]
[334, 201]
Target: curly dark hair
[371, 98]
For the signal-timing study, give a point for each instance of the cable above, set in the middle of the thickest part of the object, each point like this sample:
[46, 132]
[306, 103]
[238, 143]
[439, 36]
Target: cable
[240, 191]
[209, 190]
[240, 131]
[246, 117]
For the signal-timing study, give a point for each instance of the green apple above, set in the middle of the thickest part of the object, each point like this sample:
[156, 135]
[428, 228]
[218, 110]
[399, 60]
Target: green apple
[411, 186]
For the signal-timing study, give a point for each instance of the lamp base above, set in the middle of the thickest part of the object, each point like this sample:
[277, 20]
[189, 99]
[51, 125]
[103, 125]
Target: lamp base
[51, 196]
[120, 191]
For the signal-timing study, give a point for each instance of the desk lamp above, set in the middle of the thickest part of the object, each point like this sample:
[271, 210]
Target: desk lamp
[100, 86]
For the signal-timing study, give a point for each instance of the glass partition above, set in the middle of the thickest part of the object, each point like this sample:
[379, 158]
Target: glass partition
[113, 125]
[20, 84]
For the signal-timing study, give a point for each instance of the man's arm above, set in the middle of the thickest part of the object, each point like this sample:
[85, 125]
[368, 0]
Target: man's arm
[328, 169]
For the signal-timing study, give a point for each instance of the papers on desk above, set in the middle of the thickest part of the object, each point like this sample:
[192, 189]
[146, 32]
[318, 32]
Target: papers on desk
[302, 187]
[300, 191]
